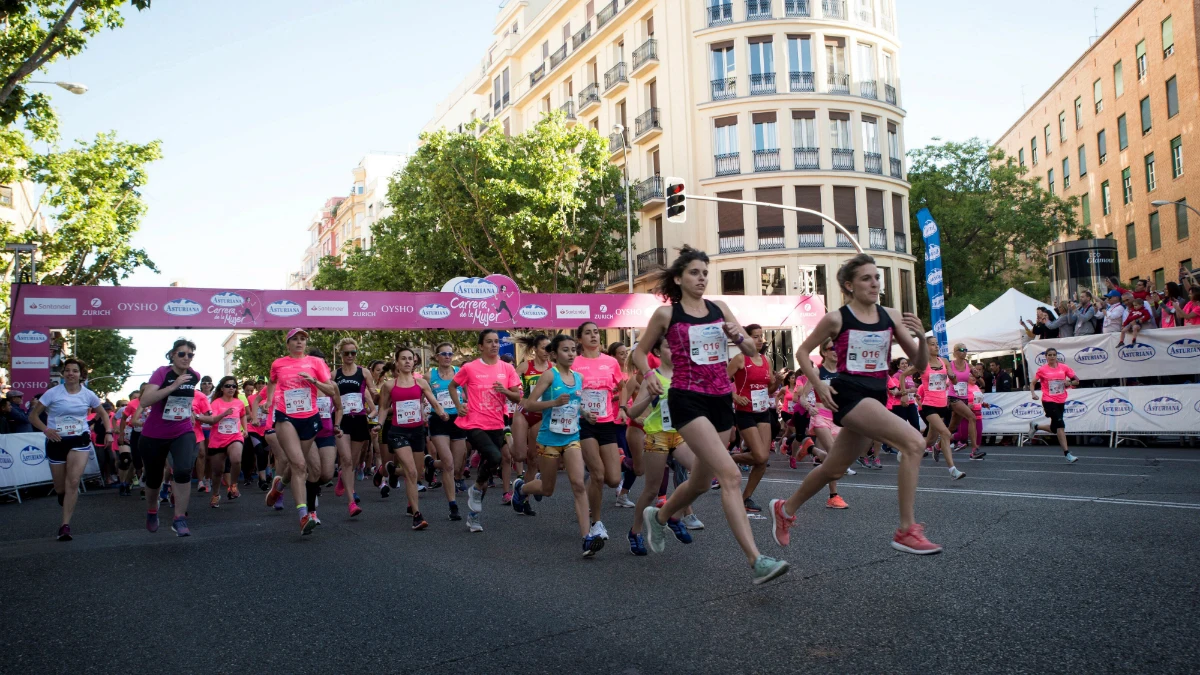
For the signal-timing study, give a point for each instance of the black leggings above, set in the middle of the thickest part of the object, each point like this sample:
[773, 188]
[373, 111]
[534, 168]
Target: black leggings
[487, 442]
[909, 414]
[182, 451]
[260, 452]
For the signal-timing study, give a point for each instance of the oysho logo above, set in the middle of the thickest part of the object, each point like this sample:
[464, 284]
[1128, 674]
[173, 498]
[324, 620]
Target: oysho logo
[1116, 407]
[397, 309]
[1163, 406]
[475, 289]
[533, 312]
[929, 229]
[572, 311]
[1091, 356]
[1074, 409]
[934, 252]
[227, 299]
[1029, 411]
[30, 362]
[32, 455]
[994, 412]
[50, 306]
[630, 311]
[328, 308]
[283, 308]
[1187, 348]
[1136, 351]
[935, 278]
[434, 311]
[182, 307]
[30, 337]
[137, 306]
[938, 302]
[6, 460]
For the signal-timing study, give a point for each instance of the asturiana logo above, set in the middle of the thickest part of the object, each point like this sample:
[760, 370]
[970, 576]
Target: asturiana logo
[1115, 407]
[434, 311]
[1136, 351]
[30, 337]
[994, 412]
[1163, 406]
[1029, 411]
[475, 289]
[32, 455]
[6, 460]
[1074, 409]
[533, 312]
[935, 278]
[934, 252]
[182, 307]
[1040, 359]
[938, 302]
[1091, 356]
[227, 299]
[283, 308]
[940, 326]
[929, 228]
[1187, 348]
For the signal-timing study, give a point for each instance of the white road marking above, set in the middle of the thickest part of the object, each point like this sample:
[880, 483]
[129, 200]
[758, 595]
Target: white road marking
[1095, 457]
[1077, 473]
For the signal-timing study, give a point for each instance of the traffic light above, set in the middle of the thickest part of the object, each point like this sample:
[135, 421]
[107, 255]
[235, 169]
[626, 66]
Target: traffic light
[675, 201]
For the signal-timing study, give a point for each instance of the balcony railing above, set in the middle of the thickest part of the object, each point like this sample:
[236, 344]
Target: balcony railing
[615, 75]
[843, 241]
[897, 169]
[496, 108]
[868, 89]
[811, 240]
[834, 9]
[606, 13]
[589, 95]
[889, 93]
[558, 56]
[807, 158]
[619, 276]
[725, 88]
[731, 244]
[843, 160]
[728, 164]
[865, 16]
[758, 9]
[877, 238]
[770, 238]
[802, 80]
[646, 53]
[873, 162]
[617, 142]
[649, 189]
[568, 109]
[646, 122]
[839, 83]
[762, 83]
[796, 8]
[537, 75]
[766, 160]
[581, 35]
[900, 241]
[648, 261]
[719, 15]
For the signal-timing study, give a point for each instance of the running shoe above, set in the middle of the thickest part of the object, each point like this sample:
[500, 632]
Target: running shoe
[385, 490]
[435, 484]
[660, 501]
[1071, 459]
[506, 499]
[264, 485]
[913, 540]
[656, 533]
[780, 523]
[164, 492]
[751, 507]
[233, 493]
[937, 453]
[428, 469]
[459, 486]
[955, 474]
[136, 482]
[624, 502]
[215, 501]
[473, 523]
[805, 446]
[356, 499]
[691, 522]
[377, 477]
[600, 530]
[957, 446]
[767, 568]
[64, 533]
[977, 454]
[419, 522]
[637, 544]
[836, 502]
[454, 512]
[276, 490]
[591, 545]
[340, 488]
[474, 498]
[1033, 429]
[517, 498]
[527, 510]
[864, 462]
[279, 502]
[681, 533]
[716, 485]
[355, 509]
[307, 524]
[792, 462]
[851, 472]
[180, 527]
[152, 521]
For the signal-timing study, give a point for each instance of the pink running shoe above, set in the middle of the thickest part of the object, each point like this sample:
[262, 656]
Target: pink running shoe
[913, 541]
[338, 488]
[780, 523]
[792, 462]
[355, 509]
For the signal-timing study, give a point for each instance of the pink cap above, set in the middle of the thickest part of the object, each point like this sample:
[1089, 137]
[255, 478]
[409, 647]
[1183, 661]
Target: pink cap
[296, 331]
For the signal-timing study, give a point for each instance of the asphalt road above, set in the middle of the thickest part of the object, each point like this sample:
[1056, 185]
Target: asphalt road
[1088, 568]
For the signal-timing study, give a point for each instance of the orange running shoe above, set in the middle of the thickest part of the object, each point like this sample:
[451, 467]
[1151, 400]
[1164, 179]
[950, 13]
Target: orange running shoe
[836, 502]
[913, 540]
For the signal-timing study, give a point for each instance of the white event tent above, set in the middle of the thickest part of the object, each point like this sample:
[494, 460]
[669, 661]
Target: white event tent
[995, 329]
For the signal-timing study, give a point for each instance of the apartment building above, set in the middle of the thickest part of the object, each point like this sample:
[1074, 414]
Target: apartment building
[793, 102]
[1113, 131]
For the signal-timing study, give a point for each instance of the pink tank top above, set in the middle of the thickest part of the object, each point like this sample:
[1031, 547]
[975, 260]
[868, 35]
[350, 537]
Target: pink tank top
[959, 388]
[406, 406]
[699, 351]
[936, 382]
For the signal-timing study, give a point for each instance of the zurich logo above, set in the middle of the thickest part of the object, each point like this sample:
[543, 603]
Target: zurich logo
[935, 278]
[182, 307]
[30, 337]
[938, 302]
[434, 311]
[283, 308]
[934, 252]
[1136, 351]
[1074, 409]
[929, 229]
[1163, 406]
[533, 312]
[1091, 356]
[1028, 411]
[96, 302]
[1115, 407]
[227, 299]
[1186, 348]
[6, 460]
[993, 413]
[32, 455]
[475, 289]
[363, 305]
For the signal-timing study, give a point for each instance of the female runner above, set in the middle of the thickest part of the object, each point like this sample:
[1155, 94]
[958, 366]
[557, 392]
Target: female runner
[525, 424]
[68, 440]
[354, 386]
[755, 383]
[259, 454]
[201, 408]
[820, 425]
[602, 378]
[1055, 378]
[701, 405]
[324, 450]
[168, 432]
[634, 438]
[934, 407]
[960, 371]
[449, 441]
[226, 436]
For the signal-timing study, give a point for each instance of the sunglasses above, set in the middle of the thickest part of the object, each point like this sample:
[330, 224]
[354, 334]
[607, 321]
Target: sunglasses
[185, 355]
[229, 386]
[353, 353]
[445, 353]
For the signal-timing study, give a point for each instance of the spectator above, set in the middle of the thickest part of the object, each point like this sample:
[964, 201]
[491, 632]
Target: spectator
[4, 408]
[1040, 330]
[1085, 315]
[1064, 325]
[1140, 290]
[1191, 311]
[1114, 316]
[18, 420]
[1136, 317]
[996, 380]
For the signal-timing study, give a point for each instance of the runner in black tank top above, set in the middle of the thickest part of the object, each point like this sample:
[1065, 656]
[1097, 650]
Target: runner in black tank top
[355, 391]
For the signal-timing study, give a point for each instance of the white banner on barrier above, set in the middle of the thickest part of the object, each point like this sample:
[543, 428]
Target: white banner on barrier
[1155, 409]
[23, 461]
[1161, 351]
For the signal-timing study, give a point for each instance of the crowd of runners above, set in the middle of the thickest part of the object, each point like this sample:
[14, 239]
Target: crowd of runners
[675, 410]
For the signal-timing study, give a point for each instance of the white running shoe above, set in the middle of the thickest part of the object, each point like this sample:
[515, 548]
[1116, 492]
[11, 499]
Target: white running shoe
[691, 522]
[1071, 459]
[624, 502]
[474, 499]
[851, 472]
[956, 474]
[473, 523]
[600, 531]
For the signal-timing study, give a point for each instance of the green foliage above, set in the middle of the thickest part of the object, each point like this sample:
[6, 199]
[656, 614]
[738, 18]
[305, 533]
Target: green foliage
[109, 356]
[995, 222]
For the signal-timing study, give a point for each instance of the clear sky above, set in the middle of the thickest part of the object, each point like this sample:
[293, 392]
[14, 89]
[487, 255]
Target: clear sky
[265, 106]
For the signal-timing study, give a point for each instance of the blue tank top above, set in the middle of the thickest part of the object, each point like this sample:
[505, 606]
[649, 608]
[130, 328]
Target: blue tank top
[560, 425]
[441, 390]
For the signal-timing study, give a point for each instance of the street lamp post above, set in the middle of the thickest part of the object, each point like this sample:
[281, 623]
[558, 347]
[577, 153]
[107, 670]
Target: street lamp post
[73, 87]
[620, 130]
[1179, 202]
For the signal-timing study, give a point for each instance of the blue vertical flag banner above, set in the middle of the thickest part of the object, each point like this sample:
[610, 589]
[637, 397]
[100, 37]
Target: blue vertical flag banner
[933, 279]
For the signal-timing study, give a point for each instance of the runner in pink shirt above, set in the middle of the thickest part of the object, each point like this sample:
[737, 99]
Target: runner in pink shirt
[604, 410]
[1055, 378]
[201, 408]
[226, 436]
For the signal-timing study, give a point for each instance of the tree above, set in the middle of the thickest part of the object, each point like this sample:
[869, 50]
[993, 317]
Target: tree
[995, 222]
[109, 356]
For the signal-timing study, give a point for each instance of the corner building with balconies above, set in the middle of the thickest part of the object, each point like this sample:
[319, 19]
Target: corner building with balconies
[793, 102]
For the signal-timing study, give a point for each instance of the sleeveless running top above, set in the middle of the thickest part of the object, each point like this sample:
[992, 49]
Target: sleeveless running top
[406, 406]
[659, 420]
[351, 388]
[325, 411]
[530, 376]
[699, 351]
[959, 388]
[753, 382]
[441, 390]
[936, 381]
[560, 424]
[864, 349]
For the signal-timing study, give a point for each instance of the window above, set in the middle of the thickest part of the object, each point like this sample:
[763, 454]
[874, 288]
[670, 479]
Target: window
[6, 196]
[1049, 148]
[773, 281]
[1181, 219]
[733, 282]
[1127, 184]
[1172, 98]
[1141, 60]
[804, 129]
[1050, 180]
[1087, 209]
[765, 137]
[1082, 161]
[1021, 156]
[1146, 122]
[1168, 40]
[731, 228]
[839, 130]
[819, 278]
[1151, 181]
[1066, 172]
[1155, 232]
[886, 298]
[1102, 145]
[762, 57]
[1130, 241]
[1160, 278]
[800, 54]
[769, 220]
[893, 141]
[723, 61]
[1078, 112]
[1098, 94]
[1033, 150]
[870, 132]
[906, 303]
[1118, 79]
[1062, 127]
[1122, 133]
[1105, 198]
[1176, 157]
[725, 135]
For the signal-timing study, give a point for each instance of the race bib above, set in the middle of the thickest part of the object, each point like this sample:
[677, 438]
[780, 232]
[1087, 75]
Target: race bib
[868, 351]
[1058, 387]
[596, 401]
[937, 381]
[760, 400]
[177, 408]
[510, 407]
[70, 426]
[443, 399]
[325, 407]
[262, 418]
[564, 419]
[128, 434]
[408, 412]
[665, 410]
[811, 398]
[352, 403]
[297, 401]
[228, 425]
[960, 389]
[708, 344]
